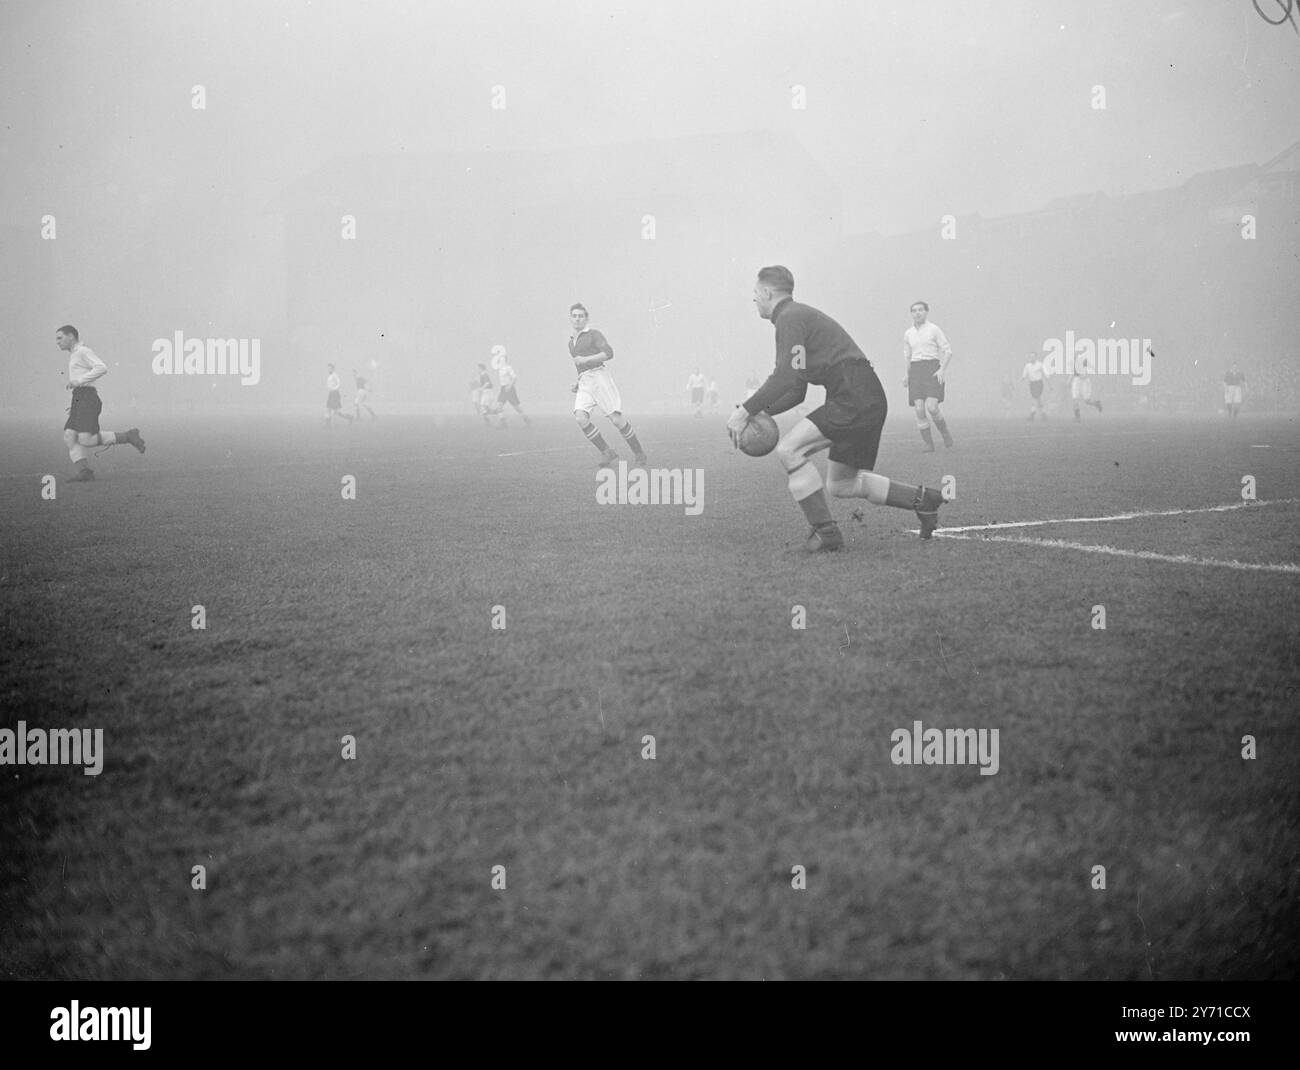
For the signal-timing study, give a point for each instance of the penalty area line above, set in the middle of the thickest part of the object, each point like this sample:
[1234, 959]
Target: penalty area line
[1144, 555]
[1118, 516]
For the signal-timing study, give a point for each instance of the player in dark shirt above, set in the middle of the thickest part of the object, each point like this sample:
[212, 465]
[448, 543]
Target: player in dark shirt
[812, 348]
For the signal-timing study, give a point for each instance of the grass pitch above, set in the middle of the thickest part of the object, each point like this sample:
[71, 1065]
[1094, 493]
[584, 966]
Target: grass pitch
[521, 747]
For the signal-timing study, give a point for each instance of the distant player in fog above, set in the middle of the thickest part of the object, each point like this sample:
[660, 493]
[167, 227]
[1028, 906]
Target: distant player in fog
[927, 352]
[1234, 387]
[334, 397]
[695, 388]
[1036, 372]
[507, 395]
[81, 432]
[590, 353]
[360, 399]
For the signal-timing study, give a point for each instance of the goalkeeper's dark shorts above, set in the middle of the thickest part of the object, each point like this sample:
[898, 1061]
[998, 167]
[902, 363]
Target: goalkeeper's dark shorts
[854, 413]
[83, 416]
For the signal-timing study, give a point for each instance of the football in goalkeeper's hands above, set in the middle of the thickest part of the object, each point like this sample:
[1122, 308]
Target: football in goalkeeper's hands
[759, 436]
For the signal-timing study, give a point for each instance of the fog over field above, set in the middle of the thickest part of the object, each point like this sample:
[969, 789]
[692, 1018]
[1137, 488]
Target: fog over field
[400, 187]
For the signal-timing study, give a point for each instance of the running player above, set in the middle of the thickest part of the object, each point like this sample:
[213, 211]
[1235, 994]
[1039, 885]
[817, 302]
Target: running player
[507, 395]
[1081, 390]
[590, 352]
[81, 432]
[1234, 386]
[695, 384]
[923, 346]
[334, 399]
[713, 395]
[359, 400]
[485, 398]
[1036, 372]
[812, 348]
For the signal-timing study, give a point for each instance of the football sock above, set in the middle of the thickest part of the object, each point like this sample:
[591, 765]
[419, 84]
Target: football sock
[925, 434]
[594, 437]
[629, 436]
[940, 423]
[817, 510]
[81, 462]
[904, 495]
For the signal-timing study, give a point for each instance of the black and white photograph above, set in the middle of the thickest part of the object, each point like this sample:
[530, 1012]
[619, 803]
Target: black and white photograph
[598, 490]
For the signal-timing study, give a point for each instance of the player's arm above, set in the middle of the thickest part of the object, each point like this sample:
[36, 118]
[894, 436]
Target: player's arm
[787, 386]
[89, 369]
[595, 360]
[947, 352]
[907, 359]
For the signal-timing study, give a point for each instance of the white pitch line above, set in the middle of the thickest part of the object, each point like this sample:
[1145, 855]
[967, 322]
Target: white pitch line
[553, 449]
[1118, 516]
[1145, 555]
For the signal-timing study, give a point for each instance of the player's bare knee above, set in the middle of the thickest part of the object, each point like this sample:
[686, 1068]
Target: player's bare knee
[88, 438]
[932, 405]
[583, 418]
[69, 438]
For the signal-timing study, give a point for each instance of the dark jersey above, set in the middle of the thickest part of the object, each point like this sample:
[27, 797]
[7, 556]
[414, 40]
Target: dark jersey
[361, 383]
[1234, 379]
[590, 343]
[810, 347]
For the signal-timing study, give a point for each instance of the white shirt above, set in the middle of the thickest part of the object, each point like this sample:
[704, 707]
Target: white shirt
[1034, 371]
[925, 342]
[695, 382]
[83, 366]
[506, 375]
[332, 381]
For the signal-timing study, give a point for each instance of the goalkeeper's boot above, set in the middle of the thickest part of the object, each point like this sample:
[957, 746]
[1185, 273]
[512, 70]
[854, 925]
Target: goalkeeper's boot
[83, 474]
[926, 503]
[824, 538]
[608, 459]
[133, 437]
[641, 461]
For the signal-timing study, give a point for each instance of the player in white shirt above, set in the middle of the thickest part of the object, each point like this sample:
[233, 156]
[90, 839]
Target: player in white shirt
[508, 395]
[713, 396]
[1036, 372]
[334, 399]
[695, 385]
[927, 353]
[81, 432]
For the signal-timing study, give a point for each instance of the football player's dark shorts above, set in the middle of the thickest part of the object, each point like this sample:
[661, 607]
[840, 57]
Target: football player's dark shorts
[854, 414]
[83, 416]
[334, 401]
[507, 396]
[921, 383]
[1035, 388]
[697, 395]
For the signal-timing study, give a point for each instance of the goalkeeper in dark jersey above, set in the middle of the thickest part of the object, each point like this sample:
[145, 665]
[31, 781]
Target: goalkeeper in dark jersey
[812, 348]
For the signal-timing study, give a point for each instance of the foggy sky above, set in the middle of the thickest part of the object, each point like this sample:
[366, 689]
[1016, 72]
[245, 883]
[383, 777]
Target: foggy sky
[916, 110]
[172, 218]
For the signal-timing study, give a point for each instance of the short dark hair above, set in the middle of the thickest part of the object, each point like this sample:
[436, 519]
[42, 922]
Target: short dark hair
[777, 277]
[68, 328]
[576, 306]
[921, 303]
